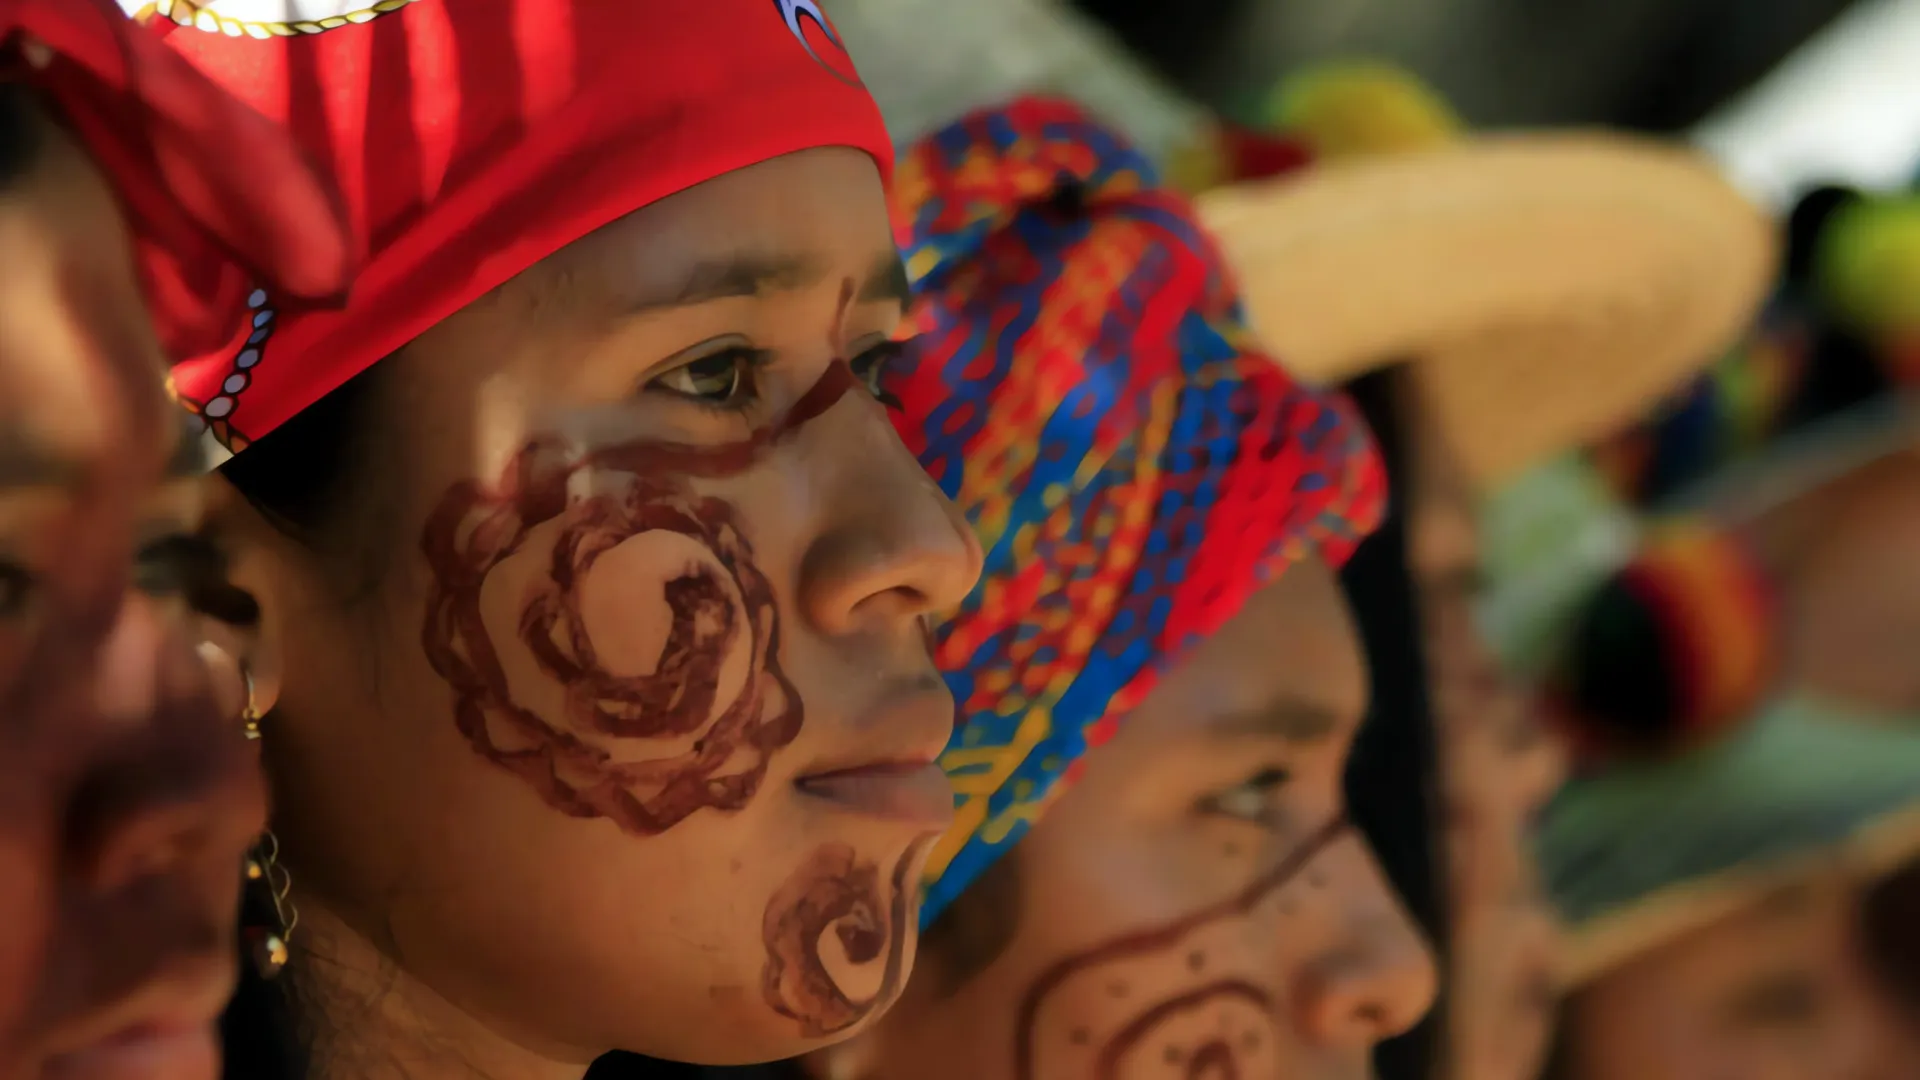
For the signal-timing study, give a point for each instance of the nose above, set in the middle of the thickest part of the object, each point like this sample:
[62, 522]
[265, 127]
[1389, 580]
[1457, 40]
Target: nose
[1373, 977]
[175, 788]
[894, 548]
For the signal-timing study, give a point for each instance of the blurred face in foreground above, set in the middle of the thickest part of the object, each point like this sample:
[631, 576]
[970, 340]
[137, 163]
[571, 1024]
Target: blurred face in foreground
[128, 794]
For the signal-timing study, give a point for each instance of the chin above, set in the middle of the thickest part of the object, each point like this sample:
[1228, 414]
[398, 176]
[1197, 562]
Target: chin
[839, 937]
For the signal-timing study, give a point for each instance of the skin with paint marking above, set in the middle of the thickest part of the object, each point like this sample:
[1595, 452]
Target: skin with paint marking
[128, 795]
[652, 570]
[1222, 1026]
[1499, 767]
[637, 488]
[836, 899]
[1195, 905]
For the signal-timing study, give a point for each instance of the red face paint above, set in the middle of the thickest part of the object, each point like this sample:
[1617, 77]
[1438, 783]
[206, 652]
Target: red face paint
[1217, 1029]
[835, 891]
[476, 527]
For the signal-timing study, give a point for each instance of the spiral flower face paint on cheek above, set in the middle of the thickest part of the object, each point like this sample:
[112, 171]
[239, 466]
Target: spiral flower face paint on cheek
[1213, 1027]
[644, 750]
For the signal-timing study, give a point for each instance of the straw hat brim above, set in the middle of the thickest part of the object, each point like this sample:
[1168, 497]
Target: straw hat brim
[1551, 286]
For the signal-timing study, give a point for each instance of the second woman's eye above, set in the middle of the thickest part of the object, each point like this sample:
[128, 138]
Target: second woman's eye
[1249, 800]
[871, 366]
[723, 380]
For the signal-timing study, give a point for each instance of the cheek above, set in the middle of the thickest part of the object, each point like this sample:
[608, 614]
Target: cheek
[611, 640]
[1212, 1029]
[24, 898]
[635, 605]
[1198, 994]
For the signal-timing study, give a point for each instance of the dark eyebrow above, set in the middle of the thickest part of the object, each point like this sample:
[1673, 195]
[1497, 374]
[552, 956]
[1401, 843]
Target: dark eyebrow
[25, 465]
[886, 281]
[739, 275]
[1290, 719]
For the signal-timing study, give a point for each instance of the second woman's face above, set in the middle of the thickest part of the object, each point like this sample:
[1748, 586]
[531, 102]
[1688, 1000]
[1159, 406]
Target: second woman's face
[1196, 905]
[632, 744]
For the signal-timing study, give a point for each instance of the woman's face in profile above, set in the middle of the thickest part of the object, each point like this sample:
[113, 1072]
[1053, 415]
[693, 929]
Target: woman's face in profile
[631, 743]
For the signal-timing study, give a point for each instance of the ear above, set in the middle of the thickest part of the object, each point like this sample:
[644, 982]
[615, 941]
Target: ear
[249, 662]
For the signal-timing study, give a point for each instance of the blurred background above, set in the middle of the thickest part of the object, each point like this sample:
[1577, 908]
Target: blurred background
[1811, 108]
[1786, 92]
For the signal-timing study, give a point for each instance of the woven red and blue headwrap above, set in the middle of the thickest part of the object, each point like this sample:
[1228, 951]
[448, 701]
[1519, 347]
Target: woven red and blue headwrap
[1135, 465]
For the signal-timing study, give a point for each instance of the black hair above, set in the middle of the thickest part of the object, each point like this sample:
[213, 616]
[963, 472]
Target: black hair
[21, 134]
[318, 480]
[1893, 935]
[1392, 783]
[303, 478]
[1563, 1050]
[299, 475]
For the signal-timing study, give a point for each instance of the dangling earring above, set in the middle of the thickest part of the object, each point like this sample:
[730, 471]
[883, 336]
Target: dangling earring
[268, 888]
[250, 714]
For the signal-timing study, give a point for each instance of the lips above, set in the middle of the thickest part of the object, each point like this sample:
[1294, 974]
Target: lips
[915, 793]
[148, 1052]
[166, 1030]
[896, 775]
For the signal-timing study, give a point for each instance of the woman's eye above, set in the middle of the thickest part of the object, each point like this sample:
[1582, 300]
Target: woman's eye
[722, 379]
[872, 366]
[192, 568]
[16, 591]
[1249, 800]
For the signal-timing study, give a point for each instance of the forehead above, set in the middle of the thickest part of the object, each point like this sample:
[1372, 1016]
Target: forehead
[80, 370]
[820, 212]
[1293, 644]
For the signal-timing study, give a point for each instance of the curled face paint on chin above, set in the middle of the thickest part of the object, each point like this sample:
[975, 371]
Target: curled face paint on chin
[835, 892]
[1215, 1028]
[600, 499]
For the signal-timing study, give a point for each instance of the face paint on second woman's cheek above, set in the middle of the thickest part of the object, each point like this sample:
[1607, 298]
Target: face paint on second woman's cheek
[1222, 1026]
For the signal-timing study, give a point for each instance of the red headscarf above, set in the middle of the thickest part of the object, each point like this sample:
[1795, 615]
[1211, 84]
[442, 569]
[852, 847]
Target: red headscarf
[217, 198]
[473, 138]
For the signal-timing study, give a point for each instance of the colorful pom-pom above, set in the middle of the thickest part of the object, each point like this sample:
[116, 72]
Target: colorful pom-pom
[1362, 107]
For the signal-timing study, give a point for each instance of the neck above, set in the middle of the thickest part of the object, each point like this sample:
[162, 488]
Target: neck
[364, 1017]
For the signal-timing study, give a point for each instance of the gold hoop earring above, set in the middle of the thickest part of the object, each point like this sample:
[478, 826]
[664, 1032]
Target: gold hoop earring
[250, 713]
[269, 887]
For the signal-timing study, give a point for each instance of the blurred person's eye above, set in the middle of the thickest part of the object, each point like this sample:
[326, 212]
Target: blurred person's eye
[191, 568]
[1250, 800]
